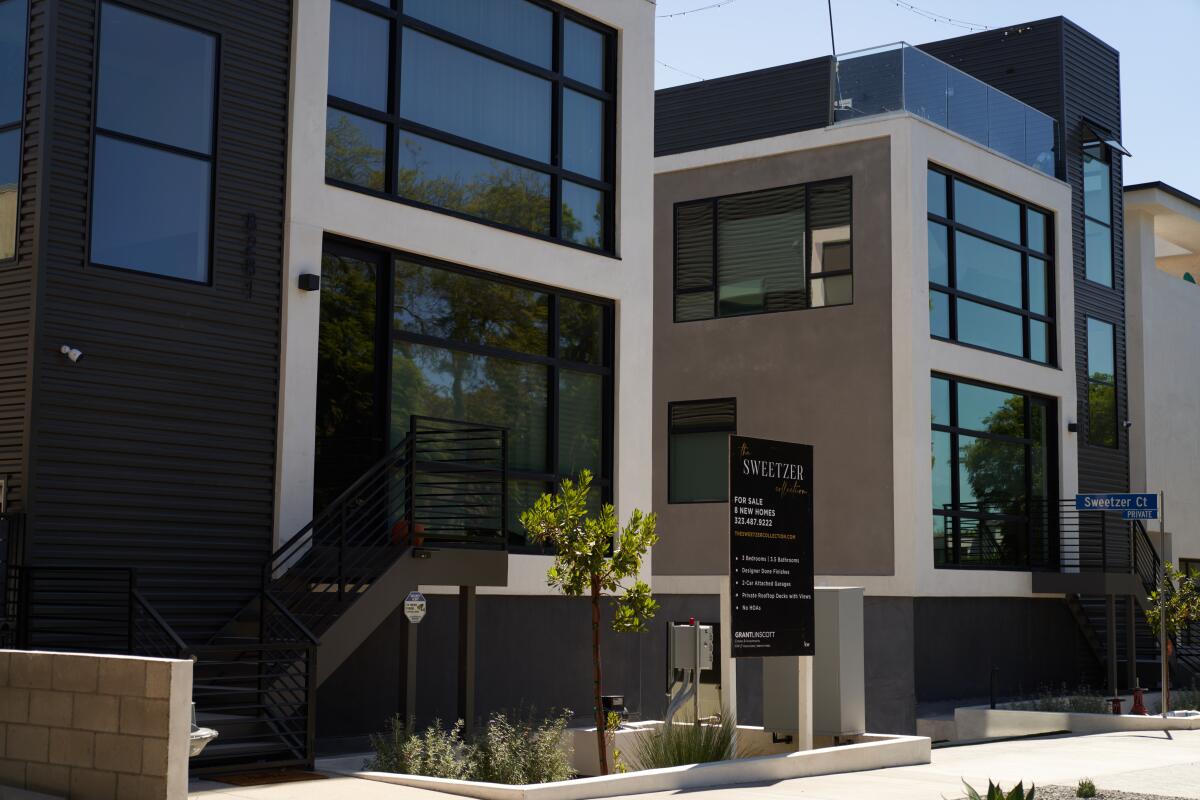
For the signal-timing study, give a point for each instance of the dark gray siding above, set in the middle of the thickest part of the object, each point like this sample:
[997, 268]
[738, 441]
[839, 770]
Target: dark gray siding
[1064, 71]
[16, 277]
[157, 450]
[740, 108]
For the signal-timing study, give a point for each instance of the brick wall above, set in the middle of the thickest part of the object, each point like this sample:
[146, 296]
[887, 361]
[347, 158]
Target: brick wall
[94, 727]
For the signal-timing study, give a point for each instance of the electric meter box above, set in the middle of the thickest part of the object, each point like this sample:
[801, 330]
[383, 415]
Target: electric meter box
[683, 646]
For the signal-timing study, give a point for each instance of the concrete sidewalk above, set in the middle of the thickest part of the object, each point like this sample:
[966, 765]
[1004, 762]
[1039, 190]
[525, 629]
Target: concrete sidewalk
[1150, 763]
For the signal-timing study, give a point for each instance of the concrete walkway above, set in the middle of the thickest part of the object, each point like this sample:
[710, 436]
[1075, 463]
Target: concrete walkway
[1150, 763]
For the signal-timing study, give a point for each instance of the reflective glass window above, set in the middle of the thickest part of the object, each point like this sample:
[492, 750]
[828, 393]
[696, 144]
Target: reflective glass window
[698, 468]
[988, 270]
[156, 97]
[583, 214]
[359, 47]
[985, 326]
[156, 79]
[987, 212]
[12, 59]
[435, 173]
[583, 134]
[1102, 384]
[1097, 243]
[583, 54]
[355, 149]
[580, 331]
[517, 27]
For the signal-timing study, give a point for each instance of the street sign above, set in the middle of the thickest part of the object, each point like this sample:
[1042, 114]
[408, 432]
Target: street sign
[770, 548]
[414, 607]
[1131, 506]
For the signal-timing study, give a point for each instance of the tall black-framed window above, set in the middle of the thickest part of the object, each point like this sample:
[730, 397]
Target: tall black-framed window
[991, 269]
[14, 23]
[993, 465]
[404, 335]
[499, 111]
[153, 146]
[781, 249]
[698, 450]
[1097, 213]
[1102, 383]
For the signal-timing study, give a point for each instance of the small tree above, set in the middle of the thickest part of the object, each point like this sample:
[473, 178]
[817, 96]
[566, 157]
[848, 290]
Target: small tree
[1182, 602]
[592, 557]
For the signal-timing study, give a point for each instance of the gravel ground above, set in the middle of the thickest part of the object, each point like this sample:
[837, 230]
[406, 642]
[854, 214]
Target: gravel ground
[1068, 793]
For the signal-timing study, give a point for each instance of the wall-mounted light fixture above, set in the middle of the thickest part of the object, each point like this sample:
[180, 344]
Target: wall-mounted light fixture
[310, 282]
[71, 353]
[1073, 427]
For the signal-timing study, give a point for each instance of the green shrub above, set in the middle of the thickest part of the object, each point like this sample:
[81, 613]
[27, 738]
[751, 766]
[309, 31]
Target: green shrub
[1184, 700]
[436, 753]
[1086, 788]
[513, 750]
[994, 792]
[521, 750]
[1083, 700]
[674, 745]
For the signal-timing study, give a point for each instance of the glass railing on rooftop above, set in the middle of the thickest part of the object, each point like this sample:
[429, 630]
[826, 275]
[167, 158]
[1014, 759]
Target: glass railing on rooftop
[899, 77]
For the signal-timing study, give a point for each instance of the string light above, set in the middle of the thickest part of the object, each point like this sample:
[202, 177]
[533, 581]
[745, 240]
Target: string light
[677, 69]
[708, 7]
[933, 16]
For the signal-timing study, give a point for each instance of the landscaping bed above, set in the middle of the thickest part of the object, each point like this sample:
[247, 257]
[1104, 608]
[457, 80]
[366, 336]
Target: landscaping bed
[1068, 793]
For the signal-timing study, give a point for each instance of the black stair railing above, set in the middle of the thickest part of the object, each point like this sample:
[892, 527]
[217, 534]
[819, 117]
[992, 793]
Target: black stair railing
[444, 485]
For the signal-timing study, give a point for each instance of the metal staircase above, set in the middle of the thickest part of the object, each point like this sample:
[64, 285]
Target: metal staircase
[433, 511]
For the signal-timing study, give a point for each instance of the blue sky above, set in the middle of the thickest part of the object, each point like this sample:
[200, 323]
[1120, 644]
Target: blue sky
[1159, 41]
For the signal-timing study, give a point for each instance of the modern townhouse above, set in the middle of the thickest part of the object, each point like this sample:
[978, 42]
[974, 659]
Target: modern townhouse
[300, 305]
[911, 258]
[1162, 266]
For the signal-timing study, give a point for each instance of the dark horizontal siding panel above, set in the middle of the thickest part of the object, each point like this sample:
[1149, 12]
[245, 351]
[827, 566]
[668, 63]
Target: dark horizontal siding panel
[157, 450]
[1091, 77]
[740, 108]
[17, 277]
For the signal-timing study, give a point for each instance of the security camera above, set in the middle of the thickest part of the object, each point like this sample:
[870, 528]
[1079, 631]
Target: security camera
[71, 353]
[1128, 424]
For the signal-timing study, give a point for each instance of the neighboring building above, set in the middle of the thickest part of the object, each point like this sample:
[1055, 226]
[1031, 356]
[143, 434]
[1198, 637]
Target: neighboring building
[1162, 256]
[862, 253]
[247, 250]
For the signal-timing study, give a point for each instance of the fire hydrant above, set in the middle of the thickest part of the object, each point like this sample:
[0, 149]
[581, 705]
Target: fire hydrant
[1139, 702]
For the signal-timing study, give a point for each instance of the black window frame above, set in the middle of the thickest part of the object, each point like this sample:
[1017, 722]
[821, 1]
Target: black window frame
[1090, 381]
[1187, 565]
[385, 260]
[18, 125]
[394, 122]
[714, 285]
[955, 512]
[671, 406]
[1104, 156]
[211, 158]
[951, 290]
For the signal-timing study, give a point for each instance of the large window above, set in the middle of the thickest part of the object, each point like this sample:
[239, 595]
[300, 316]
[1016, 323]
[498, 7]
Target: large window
[1097, 213]
[153, 163]
[775, 250]
[698, 450]
[497, 110]
[13, 24]
[991, 270]
[993, 473]
[458, 344]
[1101, 383]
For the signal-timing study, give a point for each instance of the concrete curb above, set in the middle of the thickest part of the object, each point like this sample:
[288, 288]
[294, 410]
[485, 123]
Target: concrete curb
[879, 752]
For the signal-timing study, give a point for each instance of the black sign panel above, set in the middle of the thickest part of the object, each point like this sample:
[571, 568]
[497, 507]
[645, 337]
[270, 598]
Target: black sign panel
[771, 547]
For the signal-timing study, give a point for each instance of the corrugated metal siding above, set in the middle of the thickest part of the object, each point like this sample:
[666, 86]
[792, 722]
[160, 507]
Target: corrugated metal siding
[157, 450]
[1091, 73]
[16, 278]
[741, 108]
[1062, 70]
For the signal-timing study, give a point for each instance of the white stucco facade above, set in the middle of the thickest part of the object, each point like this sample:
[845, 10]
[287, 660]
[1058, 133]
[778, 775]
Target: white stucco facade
[316, 209]
[915, 143]
[1162, 243]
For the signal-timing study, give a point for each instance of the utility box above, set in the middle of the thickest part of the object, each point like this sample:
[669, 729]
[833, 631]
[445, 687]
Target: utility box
[681, 649]
[838, 672]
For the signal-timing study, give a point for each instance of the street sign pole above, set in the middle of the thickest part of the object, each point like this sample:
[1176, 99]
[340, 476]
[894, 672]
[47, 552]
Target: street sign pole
[1162, 603]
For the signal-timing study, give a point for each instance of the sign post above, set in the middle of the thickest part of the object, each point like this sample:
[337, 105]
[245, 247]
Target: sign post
[1162, 608]
[771, 610]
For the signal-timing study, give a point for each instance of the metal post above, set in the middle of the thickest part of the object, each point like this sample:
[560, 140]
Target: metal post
[1162, 603]
[1112, 645]
[466, 655]
[696, 674]
[1131, 674]
[410, 676]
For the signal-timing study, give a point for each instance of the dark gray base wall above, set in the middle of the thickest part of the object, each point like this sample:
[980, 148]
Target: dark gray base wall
[1034, 644]
[535, 652]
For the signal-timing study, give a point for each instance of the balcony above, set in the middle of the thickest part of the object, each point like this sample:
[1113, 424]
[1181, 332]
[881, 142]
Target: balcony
[899, 77]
